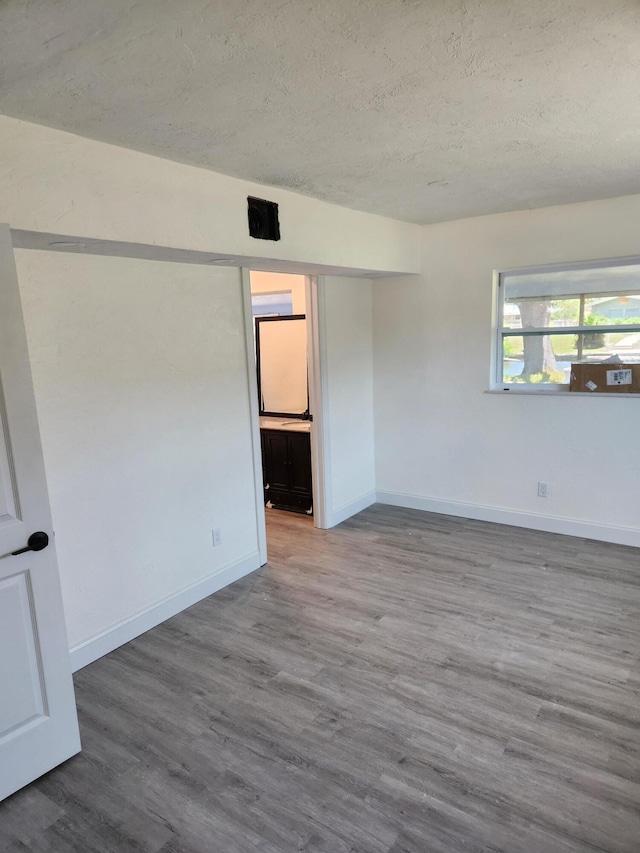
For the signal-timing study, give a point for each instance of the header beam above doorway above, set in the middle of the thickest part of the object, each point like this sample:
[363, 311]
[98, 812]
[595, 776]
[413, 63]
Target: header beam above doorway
[143, 251]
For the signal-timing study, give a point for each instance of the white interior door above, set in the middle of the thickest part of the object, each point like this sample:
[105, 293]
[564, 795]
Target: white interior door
[38, 723]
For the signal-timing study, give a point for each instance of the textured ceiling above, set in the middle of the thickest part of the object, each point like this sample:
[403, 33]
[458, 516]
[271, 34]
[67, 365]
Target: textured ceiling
[422, 110]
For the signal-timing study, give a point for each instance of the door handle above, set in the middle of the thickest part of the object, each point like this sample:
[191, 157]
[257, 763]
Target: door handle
[36, 542]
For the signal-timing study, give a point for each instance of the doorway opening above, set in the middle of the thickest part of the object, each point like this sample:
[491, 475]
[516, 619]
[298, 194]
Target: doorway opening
[287, 405]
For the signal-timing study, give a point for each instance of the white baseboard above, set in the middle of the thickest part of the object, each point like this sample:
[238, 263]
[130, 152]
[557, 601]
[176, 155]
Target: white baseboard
[337, 516]
[90, 650]
[516, 518]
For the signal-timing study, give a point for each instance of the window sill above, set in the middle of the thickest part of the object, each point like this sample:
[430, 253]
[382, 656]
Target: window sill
[538, 392]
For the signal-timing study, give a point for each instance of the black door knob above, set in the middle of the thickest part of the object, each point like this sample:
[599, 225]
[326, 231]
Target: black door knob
[36, 542]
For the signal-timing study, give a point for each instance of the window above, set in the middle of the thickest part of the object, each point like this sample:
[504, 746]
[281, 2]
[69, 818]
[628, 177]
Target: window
[551, 317]
[272, 304]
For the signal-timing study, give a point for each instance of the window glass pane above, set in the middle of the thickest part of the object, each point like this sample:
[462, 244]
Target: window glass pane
[547, 359]
[601, 282]
[539, 359]
[271, 304]
[527, 313]
[613, 310]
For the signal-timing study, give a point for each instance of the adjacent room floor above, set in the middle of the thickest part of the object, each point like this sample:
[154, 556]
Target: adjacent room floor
[403, 683]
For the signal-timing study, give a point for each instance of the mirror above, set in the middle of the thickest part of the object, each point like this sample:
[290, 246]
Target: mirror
[281, 360]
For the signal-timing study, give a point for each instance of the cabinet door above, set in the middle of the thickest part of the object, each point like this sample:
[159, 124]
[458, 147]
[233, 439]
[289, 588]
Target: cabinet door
[300, 463]
[277, 469]
[263, 455]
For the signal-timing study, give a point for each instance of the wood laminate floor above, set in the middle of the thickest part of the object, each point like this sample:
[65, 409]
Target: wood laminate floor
[404, 683]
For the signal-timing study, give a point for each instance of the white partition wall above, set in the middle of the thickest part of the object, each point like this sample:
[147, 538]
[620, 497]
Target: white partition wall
[347, 367]
[141, 384]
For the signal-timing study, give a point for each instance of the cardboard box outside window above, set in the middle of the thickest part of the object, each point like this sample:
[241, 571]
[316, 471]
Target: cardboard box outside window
[605, 378]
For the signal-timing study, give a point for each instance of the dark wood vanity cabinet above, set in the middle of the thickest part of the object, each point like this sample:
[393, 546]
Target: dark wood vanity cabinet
[286, 469]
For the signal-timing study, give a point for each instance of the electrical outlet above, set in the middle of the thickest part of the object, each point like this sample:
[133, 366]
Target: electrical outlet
[216, 535]
[543, 490]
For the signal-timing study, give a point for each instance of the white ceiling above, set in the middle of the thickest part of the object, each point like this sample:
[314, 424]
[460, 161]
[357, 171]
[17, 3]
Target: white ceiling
[371, 104]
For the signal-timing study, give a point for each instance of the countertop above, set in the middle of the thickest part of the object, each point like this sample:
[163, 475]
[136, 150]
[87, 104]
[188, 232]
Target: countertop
[285, 424]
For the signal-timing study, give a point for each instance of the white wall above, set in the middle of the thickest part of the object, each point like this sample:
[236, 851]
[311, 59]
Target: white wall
[140, 378]
[347, 362]
[137, 479]
[140, 368]
[444, 444]
[57, 182]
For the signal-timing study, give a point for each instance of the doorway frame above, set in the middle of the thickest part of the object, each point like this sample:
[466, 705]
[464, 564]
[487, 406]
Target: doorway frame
[317, 405]
[318, 401]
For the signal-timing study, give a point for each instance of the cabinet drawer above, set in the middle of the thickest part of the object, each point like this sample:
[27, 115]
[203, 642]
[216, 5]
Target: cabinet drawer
[289, 500]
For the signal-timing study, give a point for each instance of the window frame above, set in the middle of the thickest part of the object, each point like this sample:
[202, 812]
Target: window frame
[499, 332]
